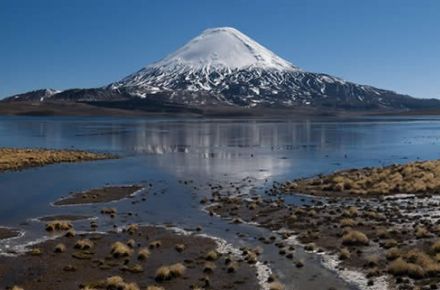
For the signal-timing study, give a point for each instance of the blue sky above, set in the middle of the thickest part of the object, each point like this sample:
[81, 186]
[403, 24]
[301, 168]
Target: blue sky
[391, 44]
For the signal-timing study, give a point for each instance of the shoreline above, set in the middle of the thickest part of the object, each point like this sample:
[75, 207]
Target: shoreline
[195, 246]
[106, 194]
[17, 159]
[387, 239]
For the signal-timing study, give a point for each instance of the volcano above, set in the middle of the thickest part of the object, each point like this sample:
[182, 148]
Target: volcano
[224, 67]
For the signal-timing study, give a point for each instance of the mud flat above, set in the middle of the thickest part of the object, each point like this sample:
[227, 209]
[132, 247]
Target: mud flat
[99, 195]
[7, 233]
[416, 178]
[66, 217]
[391, 240]
[135, 258]
[18, 159]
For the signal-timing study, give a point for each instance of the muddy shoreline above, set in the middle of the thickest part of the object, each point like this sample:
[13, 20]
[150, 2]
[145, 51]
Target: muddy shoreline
[99, 195]
[135, 254]
[390, 239]
[7, 233]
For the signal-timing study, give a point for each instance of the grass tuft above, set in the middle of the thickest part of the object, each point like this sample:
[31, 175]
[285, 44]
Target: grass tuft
[60, 248]
[120, 250]
[84, 244]
[144, 254]
[353, 237]
[58, 225]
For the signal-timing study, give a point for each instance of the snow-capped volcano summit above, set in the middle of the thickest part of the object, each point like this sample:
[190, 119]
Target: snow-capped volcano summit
[224, 48]
[216, 61]
[224, 67]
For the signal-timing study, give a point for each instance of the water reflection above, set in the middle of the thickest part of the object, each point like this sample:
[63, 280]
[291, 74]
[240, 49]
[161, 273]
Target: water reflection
[206, 148]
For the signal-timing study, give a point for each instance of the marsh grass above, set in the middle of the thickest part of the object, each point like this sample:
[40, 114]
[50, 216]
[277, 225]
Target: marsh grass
[232, 267]
[436, 246]
[144, 254]
[393, 253]
[120, 250]
[354, 237]
[17, 159]
[155, 244]
[212, 255]
[414, 177]
[344, 254]
[177, 270]
[84, 244]
[58, 225]
[276, 286]
[60, 248]
[179, 247]
[209, 267]
[132, 229]
[163, 273]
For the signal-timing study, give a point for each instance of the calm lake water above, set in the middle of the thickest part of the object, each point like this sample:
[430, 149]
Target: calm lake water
[163, 151]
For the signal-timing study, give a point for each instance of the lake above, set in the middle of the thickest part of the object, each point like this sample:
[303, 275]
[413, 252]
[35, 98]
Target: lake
[166, 151]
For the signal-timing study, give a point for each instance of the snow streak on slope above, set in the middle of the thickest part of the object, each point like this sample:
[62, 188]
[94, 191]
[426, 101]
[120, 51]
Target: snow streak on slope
[204, 64]
[224, 66]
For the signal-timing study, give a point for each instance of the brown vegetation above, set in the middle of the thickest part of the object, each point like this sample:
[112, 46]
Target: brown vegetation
[415, 177]
[17, 159]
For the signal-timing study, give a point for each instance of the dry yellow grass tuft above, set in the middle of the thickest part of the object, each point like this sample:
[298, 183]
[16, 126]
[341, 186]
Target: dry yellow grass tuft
[393, 253]
[17, 288]
[351, 212]
[70, 233]
[84, 244]
[143, 254]
[209, 267]
[155, 244]
[421, 232]
[232, 267]
[344, 254]
[36, 252]
[116, 282]
[414, 177]
[60, 248]
[347, 222]
[390, 243]
[58, 225]
[382, 233]
[353, 237]
[436, 246]
[212, 255]
[180, 247]
[177, 270]
[121, 250]
[131, 243]
[109, 210]
[132, 229]
[172, 271]
[276, 286]
[400, 267]
[17, 159]
[163, 273]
